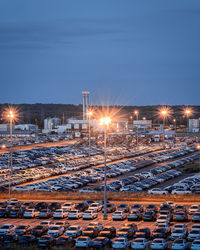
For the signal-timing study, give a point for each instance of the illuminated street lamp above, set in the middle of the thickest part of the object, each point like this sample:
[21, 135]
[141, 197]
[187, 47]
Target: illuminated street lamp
[89, 114]
[187, 113]
[164, 113]
[105, 123]
[10, 114]
[136, 112]
[144, 118]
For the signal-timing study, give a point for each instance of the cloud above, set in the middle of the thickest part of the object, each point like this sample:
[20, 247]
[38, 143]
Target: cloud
[44, 35]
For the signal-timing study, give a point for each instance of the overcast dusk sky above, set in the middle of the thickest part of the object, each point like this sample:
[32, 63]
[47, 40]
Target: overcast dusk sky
[127, 52]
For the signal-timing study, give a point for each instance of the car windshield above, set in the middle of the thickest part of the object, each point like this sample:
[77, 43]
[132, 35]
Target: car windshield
[39, 227]
[124, 229]
[177, 231]
[157, 241]
[88, 212]
[29, 210]
[44, 238]
[74, 211]
[72, 228]
[179, 241]
[119, 240]
[5, 227]
[196, 242]
[82, 239]
[21, 227]
[53, 228]
[2, 210]
[118, 213]
[139, 241]
[194, 231]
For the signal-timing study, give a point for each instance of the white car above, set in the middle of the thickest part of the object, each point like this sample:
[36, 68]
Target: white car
[73, 231]
[55, 231]
[120, 243]
[60, 213]
[195, 245]
[159, 244]
[47, 223]
[68, 206]
[178, 234]
[83, 241]
[95, 206]
[194, 234]
[181, 191]
[157, 191]
[74, 214]
[179, 244]
[193, 209]
[7, 228]
[90, 214]
[12, 200]
[163, 219]
[140, 243]
[31, 213]
[119, 215]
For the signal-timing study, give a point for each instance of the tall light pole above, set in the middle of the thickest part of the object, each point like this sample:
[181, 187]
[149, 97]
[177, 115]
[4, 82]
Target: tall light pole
[164, 114]
[187, 113]
[11, 118]
[105, 123]
[136, 113]
[89, 114]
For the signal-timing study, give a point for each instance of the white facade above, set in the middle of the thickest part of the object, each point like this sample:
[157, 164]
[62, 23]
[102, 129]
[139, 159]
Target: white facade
[194, 125]
[51, 124]
[142, 124]
[4, 127]
[28, 127]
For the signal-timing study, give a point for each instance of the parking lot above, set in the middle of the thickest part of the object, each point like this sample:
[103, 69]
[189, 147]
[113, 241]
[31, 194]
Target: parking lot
[167, 221]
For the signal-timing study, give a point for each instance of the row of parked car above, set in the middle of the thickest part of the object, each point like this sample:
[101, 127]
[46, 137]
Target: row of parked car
[82, 177]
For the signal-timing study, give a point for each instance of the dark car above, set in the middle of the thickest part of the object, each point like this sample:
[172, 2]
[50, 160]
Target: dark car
[127, 232]
[130, 224]
[66, 240]
[101, 242]
[179, 208]
[9, 238]
[143, 233]
[159, 233]
[27, 239]
[39, 230]
[82, 206]
[110, 207]
[152, 207]
[149, 215]
[91, 231]
[3, 212]
[16, 212]
[46, 241]
[108, 232]
[54, 206]
[22, 229]
[41, 205]
[180, 216]
[28, 205]
[124, 207]
[3, 204]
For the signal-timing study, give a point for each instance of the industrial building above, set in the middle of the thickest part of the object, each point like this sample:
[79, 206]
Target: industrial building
[194, 125]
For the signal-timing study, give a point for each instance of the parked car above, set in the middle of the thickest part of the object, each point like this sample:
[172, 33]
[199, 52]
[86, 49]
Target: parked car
[140, 243]
[74, 214]
[121, 243]
[46, 241]
[119, 215]
[39, 230]
[83, 241]
[6, 228]
[60, 214]
[101, 242]
[179, 244]
[90, 214]
[65, 240]
[22, 229]
[55, 231]
[159, 244]
[195, 245]
[73, 231]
